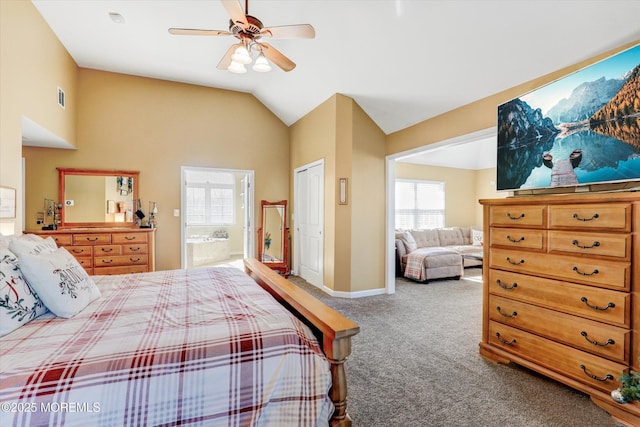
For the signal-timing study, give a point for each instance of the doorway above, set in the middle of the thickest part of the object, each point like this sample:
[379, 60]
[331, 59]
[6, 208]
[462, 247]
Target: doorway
[308, 212]
[217, 216]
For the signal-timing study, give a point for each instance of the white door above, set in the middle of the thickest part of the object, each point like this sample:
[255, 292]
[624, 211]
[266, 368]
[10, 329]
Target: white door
[309, 214]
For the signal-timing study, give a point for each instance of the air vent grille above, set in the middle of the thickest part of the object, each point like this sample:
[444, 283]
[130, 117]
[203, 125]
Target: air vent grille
[60, 97]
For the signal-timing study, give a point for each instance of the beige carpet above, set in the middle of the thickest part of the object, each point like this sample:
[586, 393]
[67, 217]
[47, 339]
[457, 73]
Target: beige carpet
[416, 363]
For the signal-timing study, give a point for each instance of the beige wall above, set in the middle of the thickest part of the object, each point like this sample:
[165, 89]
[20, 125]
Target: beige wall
[155, 127]
[463, 189]
[33, 64]
[352, 147]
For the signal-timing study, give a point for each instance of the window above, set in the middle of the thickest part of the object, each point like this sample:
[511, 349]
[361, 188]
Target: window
[209, 197]
[419, 204]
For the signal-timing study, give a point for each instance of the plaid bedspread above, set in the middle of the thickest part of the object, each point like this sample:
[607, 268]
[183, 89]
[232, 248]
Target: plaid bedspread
[180, 347]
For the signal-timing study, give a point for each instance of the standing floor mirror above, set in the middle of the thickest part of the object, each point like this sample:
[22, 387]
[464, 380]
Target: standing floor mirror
[273, 237]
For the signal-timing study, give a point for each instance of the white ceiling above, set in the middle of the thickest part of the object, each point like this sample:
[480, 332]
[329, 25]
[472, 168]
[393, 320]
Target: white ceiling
[402, 61]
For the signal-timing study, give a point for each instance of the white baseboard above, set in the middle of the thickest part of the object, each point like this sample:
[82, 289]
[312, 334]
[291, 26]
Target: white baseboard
[351, 295]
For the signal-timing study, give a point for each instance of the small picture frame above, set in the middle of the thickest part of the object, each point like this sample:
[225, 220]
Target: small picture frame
[111, 206]
[342, 191]
[7, 202]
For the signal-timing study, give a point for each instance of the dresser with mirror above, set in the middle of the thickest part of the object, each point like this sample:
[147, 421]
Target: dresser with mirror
[99, 221]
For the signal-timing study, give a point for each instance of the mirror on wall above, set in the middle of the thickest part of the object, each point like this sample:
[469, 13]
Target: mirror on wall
[97, 198]
[273, 236]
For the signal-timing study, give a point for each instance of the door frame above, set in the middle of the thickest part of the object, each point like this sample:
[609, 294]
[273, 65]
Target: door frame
[249, 214]
[294, 213]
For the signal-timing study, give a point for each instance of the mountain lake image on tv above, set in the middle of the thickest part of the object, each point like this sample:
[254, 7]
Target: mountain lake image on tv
[579, 130]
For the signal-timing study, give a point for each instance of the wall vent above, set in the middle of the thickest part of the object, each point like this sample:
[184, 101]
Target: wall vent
[60, 97]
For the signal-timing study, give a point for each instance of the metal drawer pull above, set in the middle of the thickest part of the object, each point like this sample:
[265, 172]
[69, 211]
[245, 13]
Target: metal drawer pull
[515, 262]
[130, 238]
[503, 341]
[134, 260]
[78, 251]
[593, 245]
[507, 287]
[107, 250]
[134, 249]
[514, 314]
[104, 261]
[92, 239]
[593, 377]
[593, 273]
[595, 307]
[585, 335]
[594, 216]
[515, 240]
[515, 218]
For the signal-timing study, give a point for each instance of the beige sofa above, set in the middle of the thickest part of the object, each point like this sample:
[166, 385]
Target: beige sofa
[437, 253]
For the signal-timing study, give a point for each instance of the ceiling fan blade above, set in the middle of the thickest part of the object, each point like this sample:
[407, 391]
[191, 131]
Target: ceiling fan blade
[234, 9]
[276, 57]
[196, 32]
[301, 31]
[226, 59]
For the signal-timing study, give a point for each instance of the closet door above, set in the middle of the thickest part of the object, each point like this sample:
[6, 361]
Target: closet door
[309, 202]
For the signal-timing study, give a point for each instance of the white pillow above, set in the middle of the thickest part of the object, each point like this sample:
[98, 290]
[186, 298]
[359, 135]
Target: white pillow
[32, 244]
[19, 304]
[61, 282]
[477, 237]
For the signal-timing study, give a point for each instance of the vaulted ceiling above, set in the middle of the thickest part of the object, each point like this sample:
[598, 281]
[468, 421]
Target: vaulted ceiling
[402, 61]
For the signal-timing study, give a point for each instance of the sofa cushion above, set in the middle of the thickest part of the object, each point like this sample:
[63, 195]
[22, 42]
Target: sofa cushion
[450, 236]
[408, 240]
[426, 238]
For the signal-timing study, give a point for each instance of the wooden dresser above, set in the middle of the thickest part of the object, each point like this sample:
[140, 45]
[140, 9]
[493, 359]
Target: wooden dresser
[108, 250]
[562, 289]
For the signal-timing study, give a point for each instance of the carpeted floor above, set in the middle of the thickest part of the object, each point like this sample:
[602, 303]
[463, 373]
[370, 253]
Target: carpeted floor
[415, 362]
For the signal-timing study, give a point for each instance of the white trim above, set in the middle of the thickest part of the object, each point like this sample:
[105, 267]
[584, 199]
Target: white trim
[390, 262]
[353, 295]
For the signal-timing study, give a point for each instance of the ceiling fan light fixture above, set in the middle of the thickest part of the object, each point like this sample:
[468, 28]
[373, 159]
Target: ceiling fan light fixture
[241, 56]
[262, 64]
[236, 68]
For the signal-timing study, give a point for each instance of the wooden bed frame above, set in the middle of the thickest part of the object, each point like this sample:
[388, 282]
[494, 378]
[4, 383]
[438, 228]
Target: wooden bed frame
[333, 330]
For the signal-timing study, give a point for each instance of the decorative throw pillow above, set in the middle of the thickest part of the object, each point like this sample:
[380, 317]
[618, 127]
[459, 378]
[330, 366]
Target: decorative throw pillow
[61, 282]
[477, 237]
[32, 244]
[409, 241]
[19, 304]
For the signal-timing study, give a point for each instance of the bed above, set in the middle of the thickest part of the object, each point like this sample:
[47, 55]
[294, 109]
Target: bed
[204, 346]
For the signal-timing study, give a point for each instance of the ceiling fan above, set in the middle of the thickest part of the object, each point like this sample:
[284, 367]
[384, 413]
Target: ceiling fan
[250, 31]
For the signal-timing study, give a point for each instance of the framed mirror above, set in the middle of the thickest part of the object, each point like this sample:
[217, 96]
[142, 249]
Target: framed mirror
[97, 198]
[273, 236]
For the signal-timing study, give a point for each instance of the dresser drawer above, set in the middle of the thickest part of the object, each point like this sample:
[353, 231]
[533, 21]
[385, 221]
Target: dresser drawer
[591, 216]
[91, 239]
[598, 272]
[597, 338]
[104, 250]
[611, 245]
[595, 371]
[519, 238]
[135, 248]
[86, 262]
[80, 251]
[129, 238]
[519, 216]
[117, 260]
[594, 303]
[126, 269]
[60, 239]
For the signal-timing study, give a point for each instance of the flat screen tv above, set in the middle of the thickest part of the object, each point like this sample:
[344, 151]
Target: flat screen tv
[580, 130]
